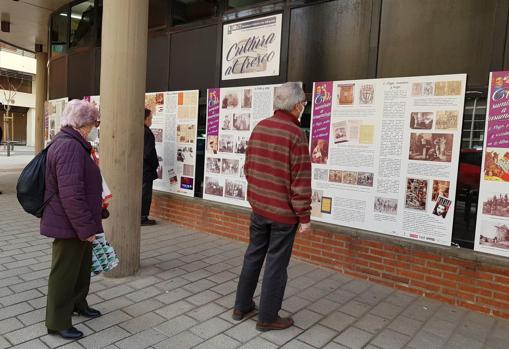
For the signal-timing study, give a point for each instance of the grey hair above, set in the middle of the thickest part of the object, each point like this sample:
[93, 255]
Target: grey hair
[287, 95]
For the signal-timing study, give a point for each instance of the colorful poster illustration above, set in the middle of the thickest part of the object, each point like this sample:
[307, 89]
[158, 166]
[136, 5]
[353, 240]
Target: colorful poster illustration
[53, 110]
[232, 114]
[492, 227]
[252, 48]
[385, 154]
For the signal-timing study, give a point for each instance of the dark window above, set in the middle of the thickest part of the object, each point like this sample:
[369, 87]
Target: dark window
[235, 4]
[186, 11]
[82, 24]
[158, 13]
[58, 33]
[469, 174]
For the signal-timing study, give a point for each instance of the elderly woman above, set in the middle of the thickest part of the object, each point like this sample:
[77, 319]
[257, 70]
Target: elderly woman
[72, 217]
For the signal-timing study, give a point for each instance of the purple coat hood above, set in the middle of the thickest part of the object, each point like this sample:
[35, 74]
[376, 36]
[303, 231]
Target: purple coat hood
[75, 210]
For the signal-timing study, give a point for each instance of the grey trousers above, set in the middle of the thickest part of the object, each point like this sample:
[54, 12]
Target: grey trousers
[275, 242]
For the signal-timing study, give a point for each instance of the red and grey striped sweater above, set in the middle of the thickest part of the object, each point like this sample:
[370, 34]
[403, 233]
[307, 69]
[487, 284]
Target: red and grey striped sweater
[278, 170]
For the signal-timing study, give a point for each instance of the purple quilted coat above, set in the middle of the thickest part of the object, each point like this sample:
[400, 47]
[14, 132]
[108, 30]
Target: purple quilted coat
[75, 210]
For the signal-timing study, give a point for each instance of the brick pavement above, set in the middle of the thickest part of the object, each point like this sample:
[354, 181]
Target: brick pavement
[183, 294]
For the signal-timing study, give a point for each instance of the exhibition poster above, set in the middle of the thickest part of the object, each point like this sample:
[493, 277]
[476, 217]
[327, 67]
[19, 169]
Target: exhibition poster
[252, 48]
[232, 114]
[492, 227]
[385, 154]
[175, 126]
[53, 110]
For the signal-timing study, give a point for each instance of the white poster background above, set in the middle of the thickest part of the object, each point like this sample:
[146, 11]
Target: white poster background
[380, 177]
[175, 127]
[240, 110]
[252, 48]
[54, 109]
[492, 225]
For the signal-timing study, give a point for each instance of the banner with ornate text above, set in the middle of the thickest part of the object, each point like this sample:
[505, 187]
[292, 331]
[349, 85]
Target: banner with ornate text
[492, 227]
[252, 48]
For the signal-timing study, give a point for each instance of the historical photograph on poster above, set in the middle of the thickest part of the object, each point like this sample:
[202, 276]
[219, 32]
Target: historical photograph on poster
[440, 88]
[366, 94]
[496, 164]
[212, 145]
[350, 177]
[345, 94]
[186, 133]
[241, 144]
[320, 174]
[421, 120]
[320, 151]
[235, 189]
[213, 186]
[386, 205]
[494, 234]
[431, 146]
[226, 124]
[365, 179]
[185, 154]
[416, 194]
[241, 122]
[417, 89]
[336, 176]
[230, 167]
[316, 203]
[453, 88]
[326, 204]
[340, 132]
[447, 120]
[440, 188]
[247, 100]
[230, 101]
[427, 89]
[496, 205]
[226, 143]
[442, 207]
[213, 165]
[158, 134]
[188, 170]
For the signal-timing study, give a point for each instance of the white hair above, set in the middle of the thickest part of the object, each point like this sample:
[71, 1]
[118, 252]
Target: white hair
[287, 95]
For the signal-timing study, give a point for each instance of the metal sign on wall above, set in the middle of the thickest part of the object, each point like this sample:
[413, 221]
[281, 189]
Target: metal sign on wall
[252, 48]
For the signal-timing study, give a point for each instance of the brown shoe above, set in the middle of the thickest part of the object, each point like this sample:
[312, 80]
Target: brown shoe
[239, 315]
[281, 323]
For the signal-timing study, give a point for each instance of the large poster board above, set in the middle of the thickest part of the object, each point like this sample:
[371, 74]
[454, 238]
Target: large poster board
[53, 110]
[252, 48]
[385, 154]
[492, 227]
[175, 126]
[232, 114]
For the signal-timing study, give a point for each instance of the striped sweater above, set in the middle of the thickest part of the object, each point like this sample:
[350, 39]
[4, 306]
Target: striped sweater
[278, 170]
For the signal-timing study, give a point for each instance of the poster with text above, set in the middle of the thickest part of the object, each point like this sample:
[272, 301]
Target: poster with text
[492, 227]
[53, 110]
[252, 48]
[385, 154]
[175, 125]
[232, 114]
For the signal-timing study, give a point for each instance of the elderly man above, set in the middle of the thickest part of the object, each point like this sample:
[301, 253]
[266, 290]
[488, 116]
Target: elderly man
[278, 172]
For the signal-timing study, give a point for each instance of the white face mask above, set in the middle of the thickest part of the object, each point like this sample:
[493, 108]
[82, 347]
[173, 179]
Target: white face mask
[93, 134]
[302, 111]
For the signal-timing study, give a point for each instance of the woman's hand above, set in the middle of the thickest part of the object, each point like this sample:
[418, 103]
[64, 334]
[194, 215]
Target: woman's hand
[91, 238]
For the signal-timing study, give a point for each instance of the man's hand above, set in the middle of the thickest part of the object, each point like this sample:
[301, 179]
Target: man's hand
[304, 227]
[91, 238]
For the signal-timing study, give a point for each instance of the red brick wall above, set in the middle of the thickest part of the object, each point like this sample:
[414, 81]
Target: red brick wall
[457, 276]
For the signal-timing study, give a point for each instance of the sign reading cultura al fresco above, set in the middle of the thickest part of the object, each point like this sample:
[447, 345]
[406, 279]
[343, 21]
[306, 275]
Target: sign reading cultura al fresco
[252, 48]
[492, 227]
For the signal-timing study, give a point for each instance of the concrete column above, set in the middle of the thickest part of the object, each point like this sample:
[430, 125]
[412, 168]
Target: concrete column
[123, 73]
[40, 97]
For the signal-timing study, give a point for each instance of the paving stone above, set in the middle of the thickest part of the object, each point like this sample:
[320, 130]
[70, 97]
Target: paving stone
[259, 343]
[211, 328]
[405, 325]
[25, 334]
[341, 296]
[199, 286]
[183, 340]
[353, 338]
[114, 304]
[219, 342]
[203, 297]
[294, 304]
[175, 309]
[333, 345]
[354, 308]
[3, 343]
[38, 303]
[108, 320]
[386, 310]
[227, 301]
[173, 296]
[306, 318]
[225, 288]
[29, 285]
[296, 344]
[206, 312]
[143, 339]
[144, 282]
[283, 336]
[389, 339]
[115, 292]
[441, 328]
[53, 341]
[428, 340]
[317, 336]
[9, 325]
[356, 286]
[146, 293]
[221, 277]
[20, 297]
[176, 325]
[372, 323]
[104, 338]
[172, 283]
[458, 341]
[338, 321]
[34, 344]
[143, 307]
[142, 323]
[244, 331]
[323, 306]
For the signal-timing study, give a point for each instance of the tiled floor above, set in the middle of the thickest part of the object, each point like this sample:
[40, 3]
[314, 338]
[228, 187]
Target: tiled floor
[183, 295]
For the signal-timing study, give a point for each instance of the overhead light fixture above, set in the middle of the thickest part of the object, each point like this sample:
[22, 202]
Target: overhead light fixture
[6, 26]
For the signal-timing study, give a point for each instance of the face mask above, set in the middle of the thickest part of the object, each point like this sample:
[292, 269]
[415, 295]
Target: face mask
[92, 136]
[302, 111]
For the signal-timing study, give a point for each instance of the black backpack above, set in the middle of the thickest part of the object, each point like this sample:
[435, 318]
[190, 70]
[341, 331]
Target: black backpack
[31, 185]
